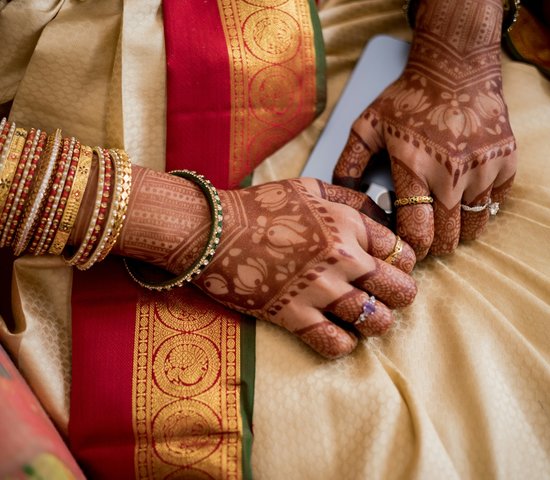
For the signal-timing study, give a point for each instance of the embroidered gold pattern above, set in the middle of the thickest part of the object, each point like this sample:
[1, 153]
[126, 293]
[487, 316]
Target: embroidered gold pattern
[185, 399]
[272, 63]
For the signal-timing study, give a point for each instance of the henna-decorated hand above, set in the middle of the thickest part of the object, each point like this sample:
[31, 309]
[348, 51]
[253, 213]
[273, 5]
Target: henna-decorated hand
[445, 125]
[295, 250]
[301, 253]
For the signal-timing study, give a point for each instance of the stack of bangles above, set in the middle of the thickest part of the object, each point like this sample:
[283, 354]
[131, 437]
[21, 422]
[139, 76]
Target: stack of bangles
[43, 179]
[42, 183]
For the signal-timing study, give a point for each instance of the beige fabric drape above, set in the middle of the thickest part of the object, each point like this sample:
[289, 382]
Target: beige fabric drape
[83, 66]
[460, 388]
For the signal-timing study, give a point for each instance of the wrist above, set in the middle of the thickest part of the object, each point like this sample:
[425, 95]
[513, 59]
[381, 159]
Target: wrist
[480, 15]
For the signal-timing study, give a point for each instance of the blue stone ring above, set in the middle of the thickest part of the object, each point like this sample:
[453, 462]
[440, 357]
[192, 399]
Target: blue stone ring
[369, 308]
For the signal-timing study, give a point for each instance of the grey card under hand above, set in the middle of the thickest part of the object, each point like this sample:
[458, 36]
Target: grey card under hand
[381, 62]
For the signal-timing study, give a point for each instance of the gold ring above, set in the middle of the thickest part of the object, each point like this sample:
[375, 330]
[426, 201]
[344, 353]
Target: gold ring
[414, 200]
[392, 257]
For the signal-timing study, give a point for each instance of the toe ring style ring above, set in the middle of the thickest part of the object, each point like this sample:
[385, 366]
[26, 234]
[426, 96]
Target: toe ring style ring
[397, 249]
[414, 200]
[492, 206]
[369, 308]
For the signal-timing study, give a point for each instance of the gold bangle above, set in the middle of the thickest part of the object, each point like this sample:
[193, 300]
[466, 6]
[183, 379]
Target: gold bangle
[74, 201]
[117, 211]
[44, 177]
[10, 166]
[510, 14]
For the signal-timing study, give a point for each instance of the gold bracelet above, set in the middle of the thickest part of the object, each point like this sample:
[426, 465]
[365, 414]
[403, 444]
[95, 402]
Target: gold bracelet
[44, 177]
[74, 201]
[10, 165]
[117, 210]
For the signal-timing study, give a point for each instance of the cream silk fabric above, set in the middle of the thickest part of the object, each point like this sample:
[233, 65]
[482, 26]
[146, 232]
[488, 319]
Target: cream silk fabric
[460, 388]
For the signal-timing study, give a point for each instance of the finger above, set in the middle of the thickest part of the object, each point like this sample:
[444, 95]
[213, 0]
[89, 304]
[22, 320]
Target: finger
[362, 143]
[505, 178]
[415, 223]
[500, 191]
[446, 228]
[472, 223]
[392, 286]
[357, 200]
[323, 336]
[382, 243]
[371, 317]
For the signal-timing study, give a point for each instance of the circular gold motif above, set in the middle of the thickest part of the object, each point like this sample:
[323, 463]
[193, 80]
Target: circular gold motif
[186, 365]
[186, 432]
[184, 314]
[275, 95]
[272, 35]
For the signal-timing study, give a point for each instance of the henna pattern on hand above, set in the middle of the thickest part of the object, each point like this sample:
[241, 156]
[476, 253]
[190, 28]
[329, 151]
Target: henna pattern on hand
[388, 284]
[445, 118]
[447, 228]
[167, 222]
[357, 200]
[326, 338]
[472, 224]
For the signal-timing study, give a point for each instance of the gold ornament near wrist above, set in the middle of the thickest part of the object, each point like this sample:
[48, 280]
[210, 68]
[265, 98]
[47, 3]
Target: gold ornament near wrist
[215, 204]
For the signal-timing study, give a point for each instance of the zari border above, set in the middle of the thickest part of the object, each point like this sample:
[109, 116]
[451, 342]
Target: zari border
[273, 55]
[186, 388]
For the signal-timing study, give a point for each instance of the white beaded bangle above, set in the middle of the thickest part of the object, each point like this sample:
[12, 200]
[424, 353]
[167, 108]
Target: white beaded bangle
[35, 200]
[59, 191]
[76, 258]
[117, 211]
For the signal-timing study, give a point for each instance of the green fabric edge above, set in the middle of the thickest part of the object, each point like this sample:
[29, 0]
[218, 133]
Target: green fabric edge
[248, 376]
[320, 59]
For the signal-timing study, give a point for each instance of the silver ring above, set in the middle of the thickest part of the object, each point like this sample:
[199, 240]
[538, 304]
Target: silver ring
[492, 206]
[369, 308]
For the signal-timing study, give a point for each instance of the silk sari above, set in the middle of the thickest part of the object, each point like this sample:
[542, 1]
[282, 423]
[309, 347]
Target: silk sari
[162, 383]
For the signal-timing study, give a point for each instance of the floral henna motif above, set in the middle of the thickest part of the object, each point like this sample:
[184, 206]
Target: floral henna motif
[276, 232]
[327, 339]
[449, 102]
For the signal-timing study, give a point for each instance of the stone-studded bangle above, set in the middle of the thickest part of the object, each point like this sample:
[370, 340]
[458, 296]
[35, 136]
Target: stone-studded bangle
[44, 179]
[95, 224]
[11, 162]
[117, 211]
[510, 15]
[44, 221]
[200, 264]
[16, 187]
[57, 193]
[73, 156]
[74, 200]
